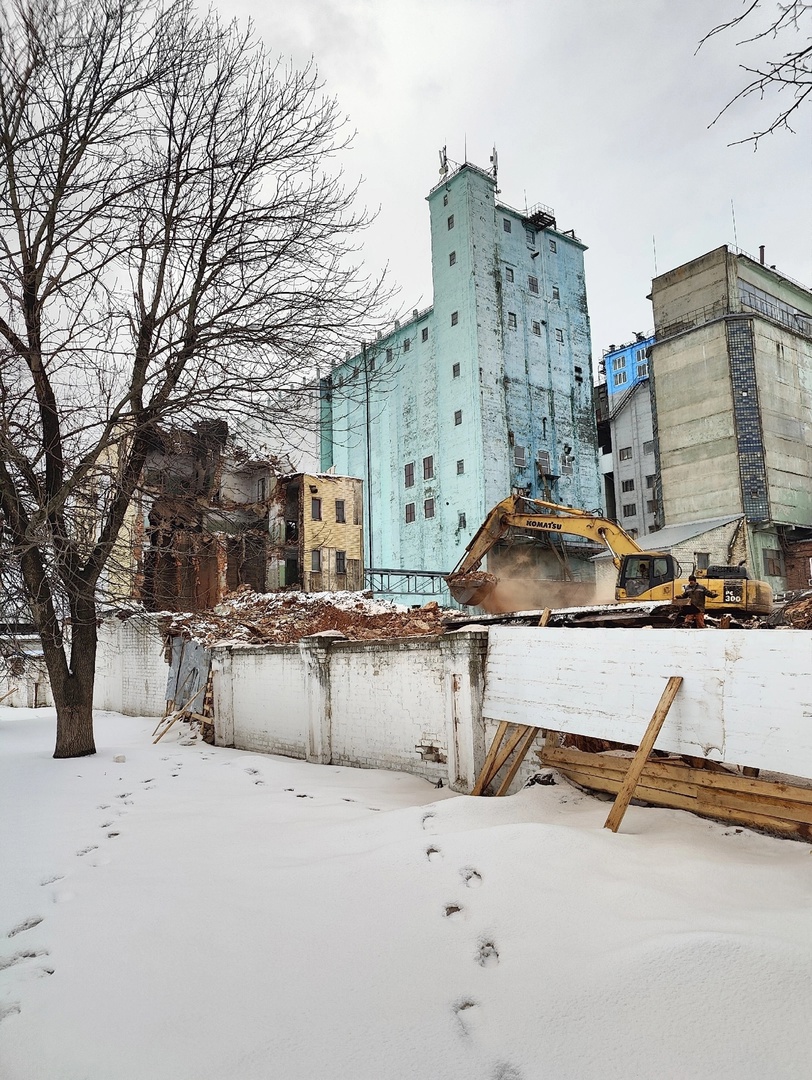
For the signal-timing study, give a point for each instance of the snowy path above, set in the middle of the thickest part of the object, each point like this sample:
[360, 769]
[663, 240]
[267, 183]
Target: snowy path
[196, 913]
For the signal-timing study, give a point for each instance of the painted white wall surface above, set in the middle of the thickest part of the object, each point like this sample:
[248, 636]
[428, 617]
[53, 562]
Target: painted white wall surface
[131, 669]
[746, 698]
[412, 705]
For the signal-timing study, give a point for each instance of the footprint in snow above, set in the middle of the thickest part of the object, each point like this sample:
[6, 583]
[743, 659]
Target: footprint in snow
[453, 911]
[471, 877]
[104, 806]
[26, 924]
[124, 795]
[110, 835]
[252, 772]
[50, 880]
[20, 957]
[149, 781]
[487, 956]
[105, 825]
[462, 1011]
[425, 821]
[11, 1008]
[503, 1070]
[304, 796]
[87, 850]
[433, 854]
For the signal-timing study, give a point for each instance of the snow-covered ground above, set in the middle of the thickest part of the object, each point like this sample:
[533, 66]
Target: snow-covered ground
[194, 913]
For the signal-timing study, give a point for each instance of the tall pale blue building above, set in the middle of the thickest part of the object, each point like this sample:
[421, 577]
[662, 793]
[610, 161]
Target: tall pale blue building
[487, 391]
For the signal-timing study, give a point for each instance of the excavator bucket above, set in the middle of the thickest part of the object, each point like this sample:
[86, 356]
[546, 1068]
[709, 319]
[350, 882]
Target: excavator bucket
[471, 589]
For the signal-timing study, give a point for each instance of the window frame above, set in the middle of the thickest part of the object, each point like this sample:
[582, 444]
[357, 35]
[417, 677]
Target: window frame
[341, 511]
[428, 467]
[408, 474]
[428, 507]
[315, 508]
[341, 563]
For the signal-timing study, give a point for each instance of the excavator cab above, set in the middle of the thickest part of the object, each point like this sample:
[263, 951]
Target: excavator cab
[647, 577]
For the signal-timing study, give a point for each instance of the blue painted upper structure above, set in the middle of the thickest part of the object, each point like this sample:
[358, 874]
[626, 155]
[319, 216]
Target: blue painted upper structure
[486, 391]
[627, 365]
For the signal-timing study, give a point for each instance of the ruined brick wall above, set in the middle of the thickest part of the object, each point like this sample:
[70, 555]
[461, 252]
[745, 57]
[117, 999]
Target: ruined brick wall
[798, 561]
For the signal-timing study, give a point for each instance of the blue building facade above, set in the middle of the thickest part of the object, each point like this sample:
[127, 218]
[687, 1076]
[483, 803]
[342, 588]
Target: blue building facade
[627, 365]
[487, 391]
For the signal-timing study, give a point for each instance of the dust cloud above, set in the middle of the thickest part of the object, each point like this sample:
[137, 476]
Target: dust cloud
[518, 588]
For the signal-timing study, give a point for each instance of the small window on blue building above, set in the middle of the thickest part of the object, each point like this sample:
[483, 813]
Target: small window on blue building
[533, 284]
[428, 508]
[620, 378]
[511, 320]
[455, 318]
[452, 258]
[409, 512]
[458, 417]
[389, 354]
[553, 246]
[508, 274]
[506, 224]
[407, 344]
[445, 200]
[536, 327]
[425, 334]
[618, 363]
[530, 237]
[455, 371]
[461, 521]
[559, 335]
[642, 371]
[460, 466]
[451, 221]
[556, 293]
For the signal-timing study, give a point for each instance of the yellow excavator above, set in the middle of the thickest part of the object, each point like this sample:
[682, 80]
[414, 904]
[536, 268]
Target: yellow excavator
[642, 575]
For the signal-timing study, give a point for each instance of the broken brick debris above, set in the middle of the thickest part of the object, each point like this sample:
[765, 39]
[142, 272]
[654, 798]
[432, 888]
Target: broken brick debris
[284, 617]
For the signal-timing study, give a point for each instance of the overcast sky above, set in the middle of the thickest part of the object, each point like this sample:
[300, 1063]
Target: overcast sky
[598, 108]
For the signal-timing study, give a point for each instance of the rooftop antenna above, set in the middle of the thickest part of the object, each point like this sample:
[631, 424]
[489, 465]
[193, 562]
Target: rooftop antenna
[733, 213]
[465, 147]
[654, 246]
[495, 163]
[444, 162]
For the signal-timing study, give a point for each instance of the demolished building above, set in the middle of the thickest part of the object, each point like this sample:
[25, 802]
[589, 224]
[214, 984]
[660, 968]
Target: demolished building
[211, 518]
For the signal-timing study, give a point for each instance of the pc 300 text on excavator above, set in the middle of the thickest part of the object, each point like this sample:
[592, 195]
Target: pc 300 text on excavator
[642, 575]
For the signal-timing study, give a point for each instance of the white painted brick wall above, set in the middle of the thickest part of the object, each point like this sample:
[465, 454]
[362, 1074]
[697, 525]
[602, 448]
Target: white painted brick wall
[367, 704]
[131, 671]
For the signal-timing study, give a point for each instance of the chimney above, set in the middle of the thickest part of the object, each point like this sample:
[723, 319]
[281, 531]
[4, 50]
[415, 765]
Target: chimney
[761, 254]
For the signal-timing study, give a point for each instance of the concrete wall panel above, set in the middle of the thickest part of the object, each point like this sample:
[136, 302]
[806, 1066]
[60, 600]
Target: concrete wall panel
[746, 697]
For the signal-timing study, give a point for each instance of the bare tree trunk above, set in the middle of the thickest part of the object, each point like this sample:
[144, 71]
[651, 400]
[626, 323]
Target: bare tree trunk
[73, 690]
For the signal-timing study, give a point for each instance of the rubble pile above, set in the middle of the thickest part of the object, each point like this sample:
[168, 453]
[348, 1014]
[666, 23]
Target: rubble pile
[281, 618]
[797, 613]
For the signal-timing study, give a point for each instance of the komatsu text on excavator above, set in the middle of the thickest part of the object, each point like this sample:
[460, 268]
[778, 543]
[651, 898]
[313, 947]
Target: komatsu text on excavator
[642, 575]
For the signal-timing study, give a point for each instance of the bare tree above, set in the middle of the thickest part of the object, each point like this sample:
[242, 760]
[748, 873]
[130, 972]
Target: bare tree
[176, 241]
[789, 74]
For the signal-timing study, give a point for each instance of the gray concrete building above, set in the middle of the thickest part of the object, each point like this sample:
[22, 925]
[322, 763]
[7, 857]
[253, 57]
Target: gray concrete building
[731, 376]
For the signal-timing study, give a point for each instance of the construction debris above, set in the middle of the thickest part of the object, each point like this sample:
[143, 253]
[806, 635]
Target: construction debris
[795, 613]
[284, 617]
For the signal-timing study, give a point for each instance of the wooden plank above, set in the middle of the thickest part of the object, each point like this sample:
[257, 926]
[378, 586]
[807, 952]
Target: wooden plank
[485, 774]
[673, 801]
[626, 792]
[168, 726]
[783, 808]
[545, 616]
[563, 757]
[530, 734]
[508, 749]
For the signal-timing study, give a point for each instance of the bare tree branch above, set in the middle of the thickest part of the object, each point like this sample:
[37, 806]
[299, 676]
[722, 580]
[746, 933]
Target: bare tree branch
[790, 74]
[176, 242]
